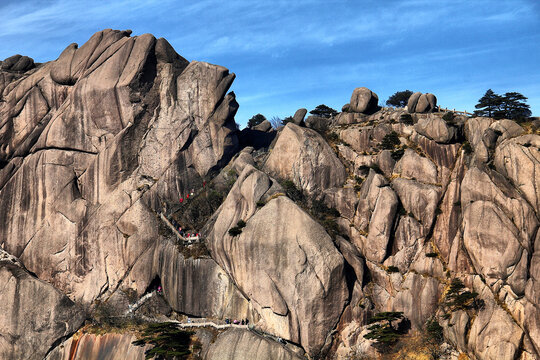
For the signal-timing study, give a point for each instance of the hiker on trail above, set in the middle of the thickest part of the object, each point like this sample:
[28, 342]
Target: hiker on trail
[242, 321]
[181, 200]
[159, 290]
[204, 183]
[187, 196]
[247, 321]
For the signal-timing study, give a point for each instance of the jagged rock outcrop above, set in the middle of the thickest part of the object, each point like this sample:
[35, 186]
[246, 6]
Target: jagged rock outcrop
[17, 63]
[303, 156]
[137, 119]
[299, 116]
[301, 291]
[34, 314]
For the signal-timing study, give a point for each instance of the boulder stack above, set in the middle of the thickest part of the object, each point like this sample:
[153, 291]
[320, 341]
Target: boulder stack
[422, 103]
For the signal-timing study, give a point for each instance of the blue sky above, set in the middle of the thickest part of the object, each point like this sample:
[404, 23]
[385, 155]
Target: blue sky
[301, 53]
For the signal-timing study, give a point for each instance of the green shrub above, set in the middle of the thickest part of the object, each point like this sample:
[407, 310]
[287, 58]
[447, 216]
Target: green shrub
[448, 117]
[241, 224]
[235, 231]
[467, 148]
[392, 269]
[406, 119]
[292, 191]
[383, 331]
[390, 141]
[457, 298]
[431, 255]
[260, 203]
[397, 154]
[168, 342]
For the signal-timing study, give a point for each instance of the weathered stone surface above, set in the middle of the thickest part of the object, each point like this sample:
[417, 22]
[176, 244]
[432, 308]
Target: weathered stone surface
[198, 287]
[426, 103]
[363, 100]
[435, 128]
[491, 212]
[413, 100]
[265, 126]
[303, 156]
[415, 167]
[419, 199]
[138, 126]
[507, 129]
[108, 346]
[34, 314]
[280, 268]
[343, 200]
[418, 298]
[364, 139]
[245, 345]
[320, 124]
[493, 334]
[299, 116]
[17, 63]
[519, 160]
[385, 162]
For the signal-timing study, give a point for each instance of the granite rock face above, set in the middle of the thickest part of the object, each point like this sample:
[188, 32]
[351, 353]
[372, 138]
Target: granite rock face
[291, 272]
[34, 314]
[245, 345]
[303, 156]
[131, 122]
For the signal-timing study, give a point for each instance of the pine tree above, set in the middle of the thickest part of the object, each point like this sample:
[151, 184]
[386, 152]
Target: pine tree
[488, 104]
[399, 99]
[515, 107]
[383, 331]
[324, 111]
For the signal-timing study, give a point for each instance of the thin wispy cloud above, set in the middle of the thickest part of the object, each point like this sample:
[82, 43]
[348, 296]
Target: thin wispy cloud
[290, 54]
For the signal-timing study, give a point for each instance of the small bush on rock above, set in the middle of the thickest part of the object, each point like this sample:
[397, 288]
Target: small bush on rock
[235, 231]
[448, 117]
[390, 141]
[385, 334]
[406, 119]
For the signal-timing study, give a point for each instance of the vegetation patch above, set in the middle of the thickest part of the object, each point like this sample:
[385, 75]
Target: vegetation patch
[168, 341]
[458, 298]
[383, 331]
[406, 119]
[389, 141]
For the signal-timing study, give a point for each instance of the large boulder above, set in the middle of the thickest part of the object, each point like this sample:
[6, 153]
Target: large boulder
[363, 100]
[299, 115]
[283, 261]
[265, 126]
[435, 128]
[303, 156]
[17, 63]
[422, 103]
